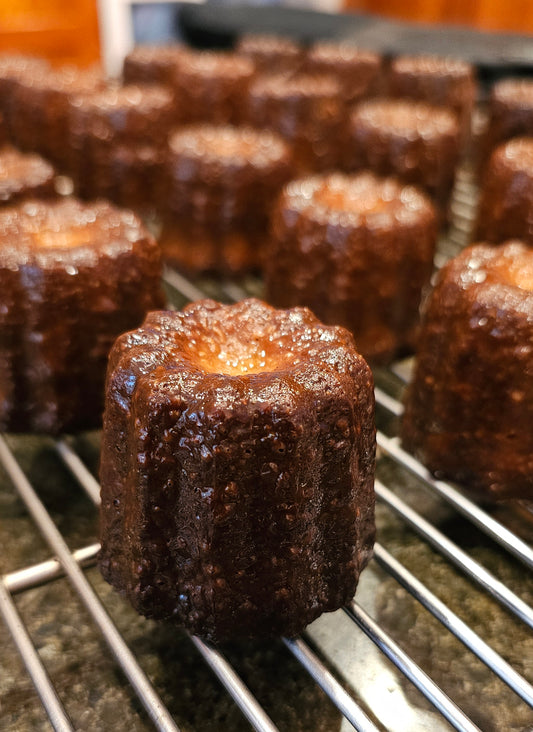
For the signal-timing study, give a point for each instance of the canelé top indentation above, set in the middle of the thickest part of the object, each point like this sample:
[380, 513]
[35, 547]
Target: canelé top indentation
[19, 170]
[517, 154]
[35, 230]
[508, 264]
[405, 118]
[248, 338]
[431, 66]
[228, 145]
[514, 92]
[355, 198]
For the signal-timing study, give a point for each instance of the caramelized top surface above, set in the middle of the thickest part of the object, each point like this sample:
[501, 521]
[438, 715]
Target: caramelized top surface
[355, 200]
[215, 65]
[513, 92]
[141, 97]
[237, 146]
[432, 66]
[39, 230]
[19, 171]
[517, 154]
[509, 264]
[247, 339]
[268, 45]
[332, 52]
[16, 66]
[405, 118]
[283, 86]
[150, 54]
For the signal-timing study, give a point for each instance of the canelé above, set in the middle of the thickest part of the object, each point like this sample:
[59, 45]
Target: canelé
[14, 68]
[357, 250]
[72, 277]
[129, 116]
[271, 53]
[439, 81]
[307, 111]
[23, 175]
[40, 104]
[414, 141]
[237, 469]
[152, 64]
[222, 184]
[212, 86]
[506, 203]
[510, 112]
[357, 70]
[469, 409]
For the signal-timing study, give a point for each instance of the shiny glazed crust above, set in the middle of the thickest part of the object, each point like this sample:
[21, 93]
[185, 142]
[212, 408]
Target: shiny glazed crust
[357, 70]
[506, 203]
[357, 250]
[72, 277]
[306, 110]
[414, 141]
[469, 410]
[237, 504]
[24, 176]
[510, 112]
[222, 184]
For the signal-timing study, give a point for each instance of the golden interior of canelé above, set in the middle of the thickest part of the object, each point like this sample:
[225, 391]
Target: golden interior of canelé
[70, 237]
[516, 270]
[237, 353]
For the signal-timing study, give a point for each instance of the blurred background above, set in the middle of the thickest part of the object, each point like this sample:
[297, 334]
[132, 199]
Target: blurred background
[69, 32]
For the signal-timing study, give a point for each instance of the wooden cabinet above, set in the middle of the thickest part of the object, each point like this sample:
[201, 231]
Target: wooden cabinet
[60, 30]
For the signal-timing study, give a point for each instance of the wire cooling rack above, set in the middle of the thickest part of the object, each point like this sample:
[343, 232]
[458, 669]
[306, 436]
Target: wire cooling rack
[439, 635]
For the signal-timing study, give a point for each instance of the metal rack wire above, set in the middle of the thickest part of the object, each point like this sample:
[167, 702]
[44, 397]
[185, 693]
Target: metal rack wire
[309, 652]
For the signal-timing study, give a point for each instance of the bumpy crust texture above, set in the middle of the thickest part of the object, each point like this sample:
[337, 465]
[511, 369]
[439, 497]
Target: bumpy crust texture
[510, 113]
[357, 70]
[414, 141]
[357, 250]
[222, 183]
[469, 409]
[307, 110]
[24, 176]
[506, 203]
[271, 53]
[443, 82]
[72, 278]
[237, 504]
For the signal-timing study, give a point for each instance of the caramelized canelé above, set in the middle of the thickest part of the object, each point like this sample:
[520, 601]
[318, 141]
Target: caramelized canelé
[222, 184]
[469, 410]
[72, 277]
[357, 250]
[237, 469]
[23, 175]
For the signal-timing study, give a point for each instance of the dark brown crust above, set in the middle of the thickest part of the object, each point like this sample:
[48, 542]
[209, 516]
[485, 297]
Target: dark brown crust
[127, 116]
[63, 306]
[442, 82]
[307, 111]
[153, 64]
[271, 53]
[510, 112]
[237, 506]
[357, 70]
[363, 269]
[212, 86]
[14, 68]
[506, 203]
[222, 184]
[24, 176]
[40, 108]
[469, 409]
[414, 141]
